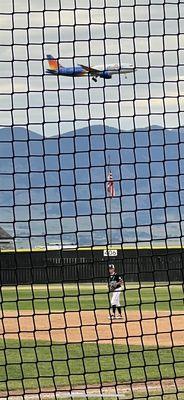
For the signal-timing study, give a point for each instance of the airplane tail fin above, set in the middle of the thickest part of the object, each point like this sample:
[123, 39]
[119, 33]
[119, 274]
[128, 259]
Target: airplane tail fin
[53, 63]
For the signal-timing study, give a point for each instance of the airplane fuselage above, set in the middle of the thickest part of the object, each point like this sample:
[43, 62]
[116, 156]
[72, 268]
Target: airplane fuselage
[71, 71]
[79, 71]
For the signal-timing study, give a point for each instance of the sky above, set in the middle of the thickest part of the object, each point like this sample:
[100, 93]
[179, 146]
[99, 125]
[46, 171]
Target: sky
[149, 34]
[146, 33]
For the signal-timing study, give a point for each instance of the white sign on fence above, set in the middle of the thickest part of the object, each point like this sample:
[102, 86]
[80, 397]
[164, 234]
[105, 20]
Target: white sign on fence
[110, 253]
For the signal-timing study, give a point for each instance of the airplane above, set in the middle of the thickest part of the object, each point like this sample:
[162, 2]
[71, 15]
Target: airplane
[55, 68]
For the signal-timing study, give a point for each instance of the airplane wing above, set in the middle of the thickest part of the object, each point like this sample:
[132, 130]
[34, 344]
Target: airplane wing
[92, 71]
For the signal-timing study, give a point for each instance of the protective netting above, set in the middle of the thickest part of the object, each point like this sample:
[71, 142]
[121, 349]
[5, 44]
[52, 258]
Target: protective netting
[91, 175]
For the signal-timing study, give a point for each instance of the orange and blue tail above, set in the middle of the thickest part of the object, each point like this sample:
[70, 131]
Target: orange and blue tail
[53, 63]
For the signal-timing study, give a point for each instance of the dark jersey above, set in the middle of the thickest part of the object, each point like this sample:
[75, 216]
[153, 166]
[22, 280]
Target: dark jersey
[114, 278]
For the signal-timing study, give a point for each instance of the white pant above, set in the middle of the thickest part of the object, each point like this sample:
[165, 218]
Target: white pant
[115, 300]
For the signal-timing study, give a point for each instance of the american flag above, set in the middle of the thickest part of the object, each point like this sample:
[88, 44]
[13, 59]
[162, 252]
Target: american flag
[110, 185]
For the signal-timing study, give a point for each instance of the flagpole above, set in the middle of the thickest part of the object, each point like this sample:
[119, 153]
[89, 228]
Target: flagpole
[110, 209]
[110, 221]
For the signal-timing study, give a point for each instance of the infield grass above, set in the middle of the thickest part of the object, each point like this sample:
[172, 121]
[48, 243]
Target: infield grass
[75, 297]
[33, 365]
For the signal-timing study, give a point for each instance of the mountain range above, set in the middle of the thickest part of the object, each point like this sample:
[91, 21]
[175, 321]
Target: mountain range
[58, 185]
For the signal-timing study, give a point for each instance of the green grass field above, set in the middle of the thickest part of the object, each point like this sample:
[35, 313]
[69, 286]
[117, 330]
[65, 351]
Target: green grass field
[88, 297]
[29, 364]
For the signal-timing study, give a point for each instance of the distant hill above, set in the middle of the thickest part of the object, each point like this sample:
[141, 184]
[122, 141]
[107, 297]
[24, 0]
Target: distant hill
[47, 179]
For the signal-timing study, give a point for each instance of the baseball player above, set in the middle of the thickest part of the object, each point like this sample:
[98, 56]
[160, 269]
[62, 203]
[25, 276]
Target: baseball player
[115, 286]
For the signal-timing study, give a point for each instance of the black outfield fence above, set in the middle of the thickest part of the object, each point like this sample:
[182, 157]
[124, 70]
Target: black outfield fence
[55, 266]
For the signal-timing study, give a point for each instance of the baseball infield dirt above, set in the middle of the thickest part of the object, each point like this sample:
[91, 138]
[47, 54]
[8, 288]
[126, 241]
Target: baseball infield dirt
[146, 328]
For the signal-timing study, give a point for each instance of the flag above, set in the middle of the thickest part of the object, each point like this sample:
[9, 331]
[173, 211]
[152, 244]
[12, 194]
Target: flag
[110, 185]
